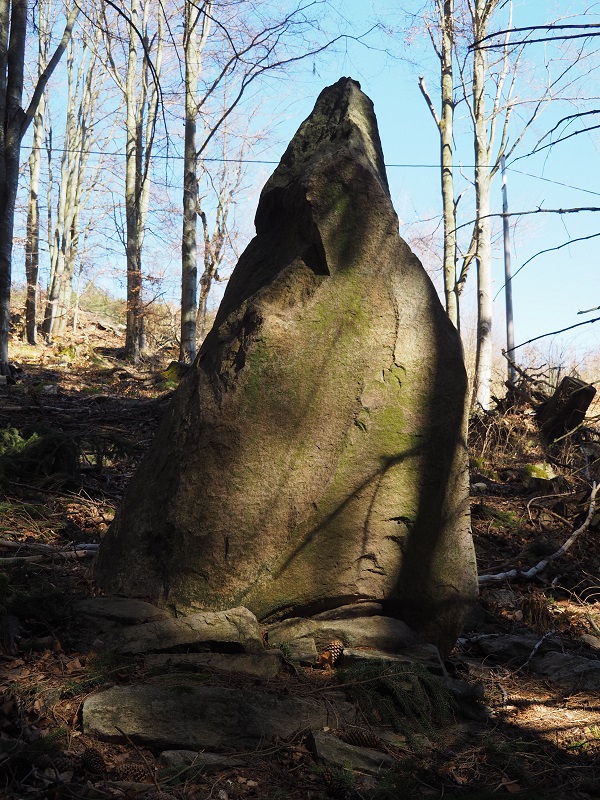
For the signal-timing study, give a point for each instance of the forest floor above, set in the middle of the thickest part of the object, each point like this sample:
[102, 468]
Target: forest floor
[72, 430]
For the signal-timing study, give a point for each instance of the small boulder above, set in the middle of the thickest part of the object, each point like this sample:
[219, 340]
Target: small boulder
[188, 717]
[304, 650]
[264, 665]
[235, 629]
[125, 610]
[571, 672]
[538, 477]
[427, 655]
[333, 752]
[378, 633]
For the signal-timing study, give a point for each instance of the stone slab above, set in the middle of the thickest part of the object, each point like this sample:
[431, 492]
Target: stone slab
[363, 609]
[574, 673]
[202, 761]
[204, 717]
[236, 627]
[332, 751]
[126, 610]
[427, 656]
[265, 665]
[379, 633]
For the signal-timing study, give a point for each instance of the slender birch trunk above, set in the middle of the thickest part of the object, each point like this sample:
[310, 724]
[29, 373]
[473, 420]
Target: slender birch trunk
[445, 125]
[59, 241]
[483, 173]
[214, 243]
[194, 42]
[447, 161]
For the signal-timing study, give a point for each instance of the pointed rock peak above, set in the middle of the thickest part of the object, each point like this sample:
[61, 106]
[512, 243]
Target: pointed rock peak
[343, 118]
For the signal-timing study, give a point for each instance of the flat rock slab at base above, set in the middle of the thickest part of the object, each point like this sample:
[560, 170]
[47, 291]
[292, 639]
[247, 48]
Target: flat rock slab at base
[574, 673]
[378, 633]
[544, 658]
[516, 648]
[264, 665]
[198, 717]
[125, 610]
[367, 608]
[236, 627]
[335, 753]
[427, 655]
[202, 761]
[302, 650]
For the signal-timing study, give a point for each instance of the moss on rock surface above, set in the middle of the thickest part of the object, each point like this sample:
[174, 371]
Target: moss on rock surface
[314, 454]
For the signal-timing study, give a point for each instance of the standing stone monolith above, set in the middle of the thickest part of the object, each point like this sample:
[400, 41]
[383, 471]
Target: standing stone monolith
[314, 455]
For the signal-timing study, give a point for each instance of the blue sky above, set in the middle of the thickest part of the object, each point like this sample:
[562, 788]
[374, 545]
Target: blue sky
[549, 291]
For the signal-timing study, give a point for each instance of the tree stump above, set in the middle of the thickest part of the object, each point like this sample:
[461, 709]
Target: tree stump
[565, 410]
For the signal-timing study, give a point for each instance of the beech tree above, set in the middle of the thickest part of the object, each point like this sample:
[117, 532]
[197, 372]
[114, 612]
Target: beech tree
[84, 85]
[197, 22]
[32, 242]
[14, 122]
[444, 49]
[140, 25]
[228, 48]
[487, 80]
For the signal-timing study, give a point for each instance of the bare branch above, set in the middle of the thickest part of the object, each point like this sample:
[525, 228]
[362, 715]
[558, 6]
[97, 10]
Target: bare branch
[541, 565]
[555, 333]
[550, 27]
[550, 250]
[576, 210]
[45, 76]
[428, 100]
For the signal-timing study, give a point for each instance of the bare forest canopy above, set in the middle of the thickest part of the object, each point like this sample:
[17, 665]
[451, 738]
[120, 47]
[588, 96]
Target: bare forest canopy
[135, 135]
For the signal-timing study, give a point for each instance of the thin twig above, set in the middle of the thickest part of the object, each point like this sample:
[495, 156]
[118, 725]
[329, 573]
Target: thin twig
[151, 771]
[538, 645]
[531, 573]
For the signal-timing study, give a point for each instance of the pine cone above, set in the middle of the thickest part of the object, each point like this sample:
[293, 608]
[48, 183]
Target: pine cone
[135, 773]
[59, 762]
[360, 737]
[93, 762]
[330, 655]
[335, 787]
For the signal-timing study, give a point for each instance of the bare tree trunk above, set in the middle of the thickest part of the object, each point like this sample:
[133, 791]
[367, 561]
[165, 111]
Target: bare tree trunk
[140, 118]
[447, 162]
[14, 122]
[445, 126]
[82, 101]
[59, 243]
[32, 244]
[134, 273]
[193, 46]
[12, 59]
[226, 187]
[483, 174]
